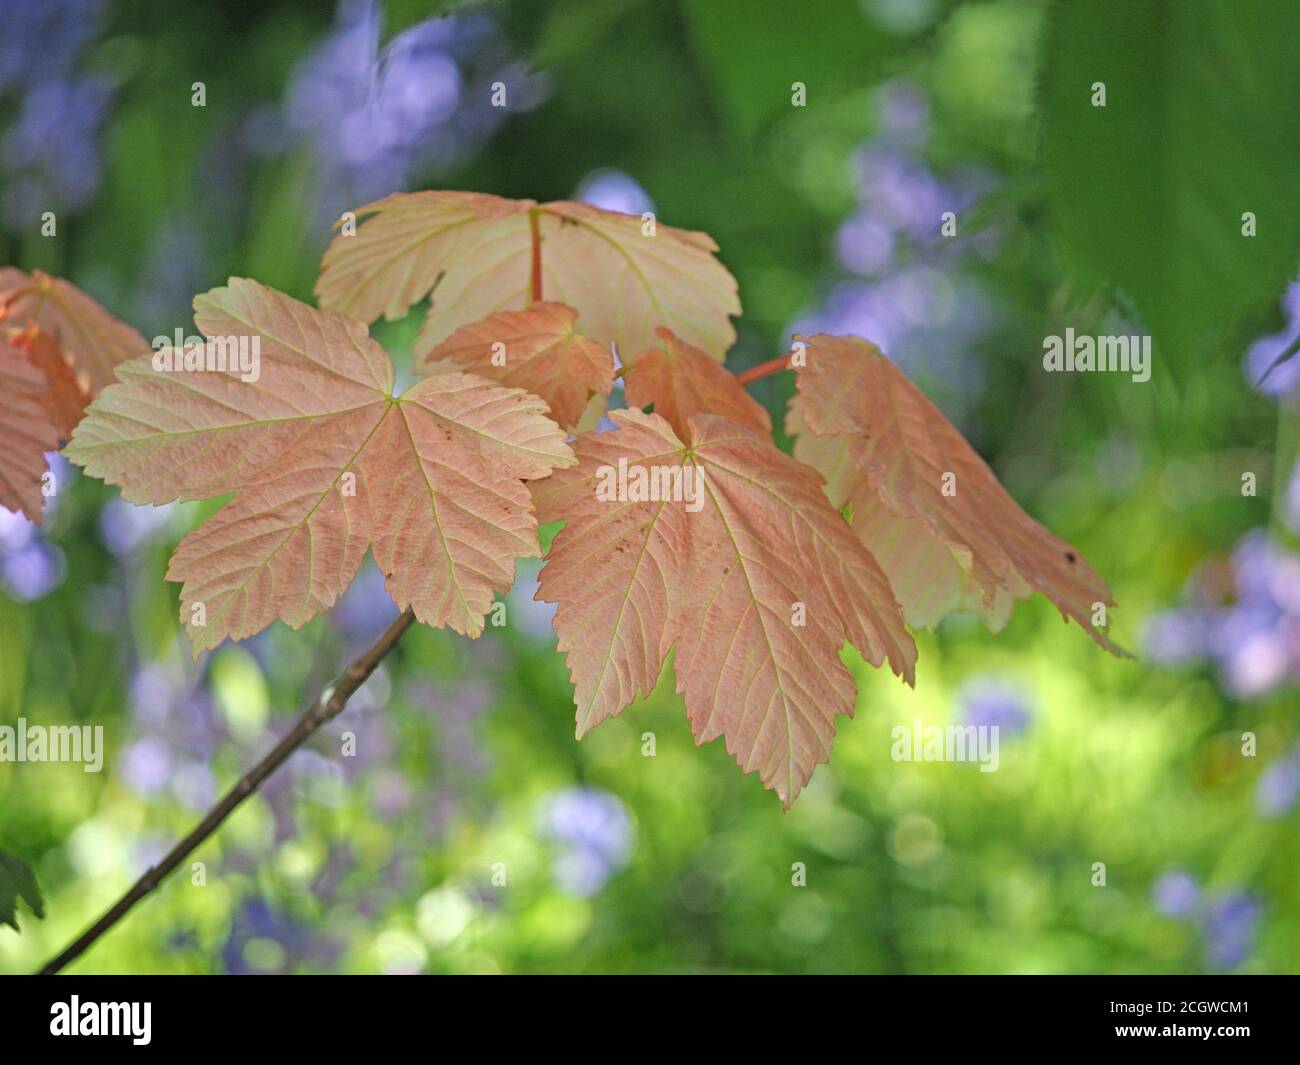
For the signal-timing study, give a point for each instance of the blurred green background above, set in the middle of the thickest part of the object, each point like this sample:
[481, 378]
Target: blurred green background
[469, 832]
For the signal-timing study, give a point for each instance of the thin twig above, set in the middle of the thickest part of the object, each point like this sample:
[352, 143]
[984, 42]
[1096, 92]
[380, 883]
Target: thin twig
[328, 705]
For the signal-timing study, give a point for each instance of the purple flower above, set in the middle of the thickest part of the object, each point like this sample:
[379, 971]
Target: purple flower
[32, 571]
[990, 701]
[155, 691]
[126, 528]
[366, 608]
[256, 920]
[42, 38]
[532, 616]
[146, 765]
[594, 836]
[16, 532]
[1230, 926]
[865, 243]
[614, 191]
[1176, 894]
[1279, 786]
[1177, 637]
[1244, 617]
[52, 149]
[903, 113]
[1258, 366]
[194, 784]
[374, 117]
[903, 191]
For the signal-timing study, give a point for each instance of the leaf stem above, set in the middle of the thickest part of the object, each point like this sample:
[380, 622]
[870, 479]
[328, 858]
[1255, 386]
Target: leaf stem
[535, 227]
[763, 369]
[328, 705]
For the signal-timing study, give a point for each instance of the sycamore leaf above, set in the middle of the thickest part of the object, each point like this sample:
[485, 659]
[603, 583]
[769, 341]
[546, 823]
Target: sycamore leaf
[323, 461]
[17, 881]
[538, 350]
[26, 432]
[91, 340]
[924, 503]
[746, 569]
[64, 397]
[680, 380]
[71, 345]
[480, 254]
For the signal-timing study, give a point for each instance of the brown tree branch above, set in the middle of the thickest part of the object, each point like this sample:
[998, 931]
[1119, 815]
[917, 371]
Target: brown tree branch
[328, 705]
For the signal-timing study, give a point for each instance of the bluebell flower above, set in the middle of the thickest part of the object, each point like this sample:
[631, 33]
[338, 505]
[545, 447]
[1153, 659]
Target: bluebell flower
[43, 38]
[126, 528]
[1176, 894]
[52, 149]
[1244, 618]
[1279, 786]
[903, 113]
[366, 608]
[530, 615]
[1177, 637]
[614, 190]
[913, 296]
[994, 702]
[593, 834]
[1258, 367]
[30, 566]
[146, 765]
[256, 919]
[1230, 926]
[374, 118]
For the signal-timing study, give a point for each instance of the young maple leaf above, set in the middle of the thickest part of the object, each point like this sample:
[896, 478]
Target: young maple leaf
[71, 344]
[759, 587]
[536, 349]
[927, 506]
[90, 339]
[680, 380]
[64, 397]
[479, 254]
[324, 460]
[26, 432]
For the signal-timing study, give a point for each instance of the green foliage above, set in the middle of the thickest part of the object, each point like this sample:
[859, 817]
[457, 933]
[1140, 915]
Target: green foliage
[756, 50]
[911, 868]
[1148, 192]
[17, 881]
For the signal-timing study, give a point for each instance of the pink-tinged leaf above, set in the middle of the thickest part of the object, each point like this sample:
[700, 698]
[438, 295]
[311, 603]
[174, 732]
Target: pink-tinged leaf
[613, 568]
[924, 503]
[680, 380]
[92, 341]
[537, 349]
[323, 461]
[64, 397]
[26, 432]
[73, 344]
[475, 254]
[758, 583]
[447, 473]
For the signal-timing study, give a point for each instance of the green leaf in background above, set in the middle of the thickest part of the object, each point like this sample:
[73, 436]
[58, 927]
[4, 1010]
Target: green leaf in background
[756, 49]
[17, 881]
[1200, 126]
